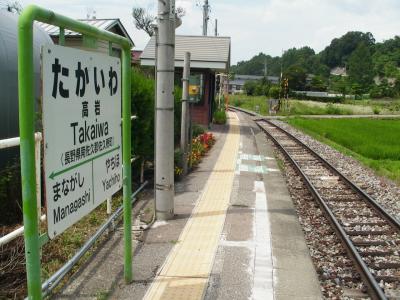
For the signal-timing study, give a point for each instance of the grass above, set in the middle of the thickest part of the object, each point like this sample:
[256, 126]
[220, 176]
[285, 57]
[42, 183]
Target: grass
[102, 295]
[250, 103]
[219, 117]
[54, 253]
[374, 142]
[303, 107]
[310, 108]
[297, 107]
[59, 250]
[386, 106]
[280, 163]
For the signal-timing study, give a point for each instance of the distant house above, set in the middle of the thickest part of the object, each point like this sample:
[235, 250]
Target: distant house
[75, 40]
[339, 71]
[236, 85]
[209, 55]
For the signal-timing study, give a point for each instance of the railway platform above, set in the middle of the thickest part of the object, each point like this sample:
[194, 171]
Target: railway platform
[235, 235]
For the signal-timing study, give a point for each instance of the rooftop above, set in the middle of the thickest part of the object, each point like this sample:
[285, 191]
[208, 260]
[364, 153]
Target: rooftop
[241, 79]
[104, 24]
[208, 52]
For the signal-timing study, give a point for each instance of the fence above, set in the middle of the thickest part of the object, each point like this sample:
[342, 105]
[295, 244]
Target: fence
[15, 142]
[56, 278]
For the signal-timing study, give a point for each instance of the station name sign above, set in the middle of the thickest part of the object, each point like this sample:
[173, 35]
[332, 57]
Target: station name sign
[81, 115]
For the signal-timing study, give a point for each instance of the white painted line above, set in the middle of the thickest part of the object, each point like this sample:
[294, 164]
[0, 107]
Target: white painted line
[263, 268]
[272, 170]
[245, 244]
[254, 157]
[259, 187]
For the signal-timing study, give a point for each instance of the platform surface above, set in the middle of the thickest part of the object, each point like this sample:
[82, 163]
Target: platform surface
[235, 235]
[187, 269]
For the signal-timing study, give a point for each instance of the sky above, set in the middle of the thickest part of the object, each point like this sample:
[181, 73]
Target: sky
[255, 26]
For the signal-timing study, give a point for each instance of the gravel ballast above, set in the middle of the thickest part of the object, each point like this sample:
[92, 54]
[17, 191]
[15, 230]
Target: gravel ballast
[383, 190]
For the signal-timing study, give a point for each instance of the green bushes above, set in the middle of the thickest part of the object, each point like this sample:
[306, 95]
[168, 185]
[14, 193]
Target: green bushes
[143, 102]
[10, 194]
[143, 107]
[237, 102]
[219, 117]
[332, 109]
[274, 92]
[376, 110]
[197, 129]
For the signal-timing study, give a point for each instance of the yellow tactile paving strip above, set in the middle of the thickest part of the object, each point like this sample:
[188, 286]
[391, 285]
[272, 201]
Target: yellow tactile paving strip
[187, 268]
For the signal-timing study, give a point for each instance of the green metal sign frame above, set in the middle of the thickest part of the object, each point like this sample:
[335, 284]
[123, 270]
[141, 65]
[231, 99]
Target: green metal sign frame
[27, 130]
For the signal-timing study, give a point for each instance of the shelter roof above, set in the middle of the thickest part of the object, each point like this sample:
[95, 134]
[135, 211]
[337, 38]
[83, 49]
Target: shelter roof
[206, 52]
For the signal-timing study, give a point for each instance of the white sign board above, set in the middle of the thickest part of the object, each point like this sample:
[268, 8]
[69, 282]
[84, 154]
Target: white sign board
[82, 132]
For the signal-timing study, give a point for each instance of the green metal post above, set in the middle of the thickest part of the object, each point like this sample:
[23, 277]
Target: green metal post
[27, 122]
[110, 52]
[126, 154]
[27, 136]
[61, 37]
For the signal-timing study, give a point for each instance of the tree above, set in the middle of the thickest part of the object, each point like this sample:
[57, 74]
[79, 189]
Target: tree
[250, 87]
[317, 84]
[256, 65]
[11, 6]
[360, 67]
[144, 20]
[340, 49]
[274, 92]
[357, 90]
[303, 57]
[340, 84]
[297, 77]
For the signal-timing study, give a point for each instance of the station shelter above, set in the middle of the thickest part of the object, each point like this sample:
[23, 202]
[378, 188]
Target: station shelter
[209, 56]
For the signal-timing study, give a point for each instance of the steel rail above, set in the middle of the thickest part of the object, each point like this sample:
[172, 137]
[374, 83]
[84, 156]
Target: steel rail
[374, 289]
[381, 210]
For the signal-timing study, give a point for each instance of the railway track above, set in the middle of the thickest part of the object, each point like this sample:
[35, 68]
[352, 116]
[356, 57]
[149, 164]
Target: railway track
[370, 235]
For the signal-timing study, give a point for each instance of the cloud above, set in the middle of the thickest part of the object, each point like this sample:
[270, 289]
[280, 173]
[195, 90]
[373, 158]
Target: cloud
[258, 25]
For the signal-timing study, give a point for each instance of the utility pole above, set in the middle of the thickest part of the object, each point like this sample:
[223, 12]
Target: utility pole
[206, 9]
[216, 27]
[185, 112]
[164, 136]
[265, 68]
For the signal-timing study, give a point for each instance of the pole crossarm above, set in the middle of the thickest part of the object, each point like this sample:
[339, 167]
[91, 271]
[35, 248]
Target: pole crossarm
[27, 125]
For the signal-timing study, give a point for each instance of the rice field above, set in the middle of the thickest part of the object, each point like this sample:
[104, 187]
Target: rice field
[375, 142]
